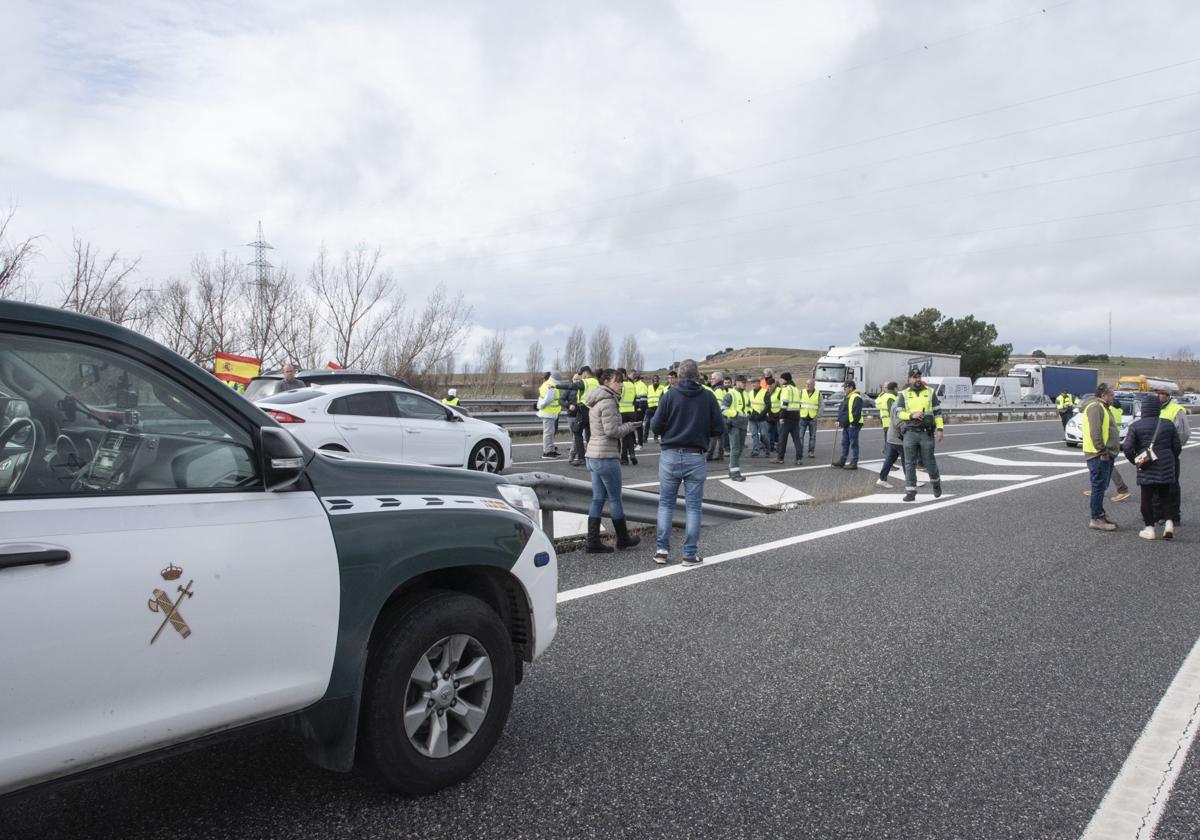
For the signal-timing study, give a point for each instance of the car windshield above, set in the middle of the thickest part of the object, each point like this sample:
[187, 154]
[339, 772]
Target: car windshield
[987, 390]
[1025, 379]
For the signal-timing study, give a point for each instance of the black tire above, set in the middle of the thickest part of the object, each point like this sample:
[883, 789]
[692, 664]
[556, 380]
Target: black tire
[405, 637]
[480, 461]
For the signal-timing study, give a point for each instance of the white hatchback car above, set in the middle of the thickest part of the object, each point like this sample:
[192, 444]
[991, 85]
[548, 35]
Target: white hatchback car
[1131, 409]
[384, 421]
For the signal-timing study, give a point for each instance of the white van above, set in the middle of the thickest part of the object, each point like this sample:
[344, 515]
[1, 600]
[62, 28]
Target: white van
[998, 390]
[951, 391]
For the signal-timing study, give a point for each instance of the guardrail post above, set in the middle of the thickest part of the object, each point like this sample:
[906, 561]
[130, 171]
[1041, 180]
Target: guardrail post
[548, 523]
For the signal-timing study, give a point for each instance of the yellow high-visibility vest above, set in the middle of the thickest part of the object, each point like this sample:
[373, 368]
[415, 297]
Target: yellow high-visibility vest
[758, 401]
[450, 400]
[810, 403]
[1105, 428]
[628, 392]
[915, 401]
[654, 394]
[884, 404]
[551, 407]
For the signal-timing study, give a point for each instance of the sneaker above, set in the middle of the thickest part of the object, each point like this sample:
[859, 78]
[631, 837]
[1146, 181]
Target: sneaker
[693, 561]
[736, 477]
[637, 448]
[1169, 530]
[852, 466]
[1102, 525]
[812, 454]
[632, 461]
[921, 483]
[776, 460]
[662, 557]
[754, 454]
[879, 482]
[895, 467]
[1148, 533]
[910, 496]
[1109, 521]
[1087, 492]
[1119, 497]
[839, 464]
[549, 455]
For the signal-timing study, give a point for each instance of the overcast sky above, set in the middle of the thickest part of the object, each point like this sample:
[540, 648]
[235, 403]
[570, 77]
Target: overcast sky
[702, 174]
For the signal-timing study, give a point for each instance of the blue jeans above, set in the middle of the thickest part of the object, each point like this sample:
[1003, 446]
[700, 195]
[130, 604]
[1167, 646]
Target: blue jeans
[1100, 471]
[850, 444]
[758, 436]
[892, 453]
[675, 466]
[772, 428]
[606, 484]
[809, 425]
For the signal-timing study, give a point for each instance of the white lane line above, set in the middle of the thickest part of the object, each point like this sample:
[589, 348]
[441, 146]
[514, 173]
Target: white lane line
[892, 499]
[991, 460]
[762, 548]
[766, 491]
[1137, 798]
[963, 434]
[1046, 450]
[991, 477]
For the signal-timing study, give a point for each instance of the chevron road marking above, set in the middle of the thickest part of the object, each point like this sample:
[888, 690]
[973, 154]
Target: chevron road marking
[993, 461]
[765, 490]
[893, 498]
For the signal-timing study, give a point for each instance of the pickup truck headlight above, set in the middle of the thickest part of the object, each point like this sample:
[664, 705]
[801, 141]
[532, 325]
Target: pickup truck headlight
[523, 500]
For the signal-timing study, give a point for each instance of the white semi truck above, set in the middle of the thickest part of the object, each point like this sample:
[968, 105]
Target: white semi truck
[998, 390]
[871, 367]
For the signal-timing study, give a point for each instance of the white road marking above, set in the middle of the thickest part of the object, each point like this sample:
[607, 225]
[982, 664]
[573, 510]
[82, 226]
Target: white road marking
[766, 491]
[1046, 450]
[1137, 798]
[762, 548]
[893, 498]
[992, 460]
[824, 466]
[963, 434]
[991, 477]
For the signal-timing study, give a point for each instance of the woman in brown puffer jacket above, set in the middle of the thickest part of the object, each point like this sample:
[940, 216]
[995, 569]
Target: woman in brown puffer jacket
[604, 461]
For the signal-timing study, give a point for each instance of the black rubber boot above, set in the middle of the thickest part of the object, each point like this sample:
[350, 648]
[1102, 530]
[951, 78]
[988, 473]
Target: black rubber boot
[937, 489]
[594, 545]
[623, 538]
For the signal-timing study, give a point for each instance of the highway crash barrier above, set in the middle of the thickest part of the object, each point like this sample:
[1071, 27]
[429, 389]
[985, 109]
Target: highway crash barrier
[571, 495]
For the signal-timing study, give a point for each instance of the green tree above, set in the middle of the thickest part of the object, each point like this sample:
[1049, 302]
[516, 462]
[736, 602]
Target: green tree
[1038, 354]
[972, 339]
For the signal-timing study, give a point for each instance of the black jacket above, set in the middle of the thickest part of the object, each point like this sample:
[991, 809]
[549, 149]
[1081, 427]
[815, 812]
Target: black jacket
[1166, 444]
[687, 417]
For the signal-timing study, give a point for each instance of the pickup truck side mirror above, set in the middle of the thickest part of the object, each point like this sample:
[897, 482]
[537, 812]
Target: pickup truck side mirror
[282, 458]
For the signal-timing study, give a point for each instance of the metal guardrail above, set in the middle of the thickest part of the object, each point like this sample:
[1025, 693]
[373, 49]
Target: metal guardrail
[528, 421]
[570, 495]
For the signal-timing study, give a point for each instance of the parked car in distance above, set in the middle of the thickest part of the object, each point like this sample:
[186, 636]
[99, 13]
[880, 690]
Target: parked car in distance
[1131, 409]
[267, 384]
[384, 421]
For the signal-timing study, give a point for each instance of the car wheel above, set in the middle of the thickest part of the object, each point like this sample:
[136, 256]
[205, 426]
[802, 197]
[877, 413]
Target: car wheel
[487, 456]
[438, 691]
[1072, 444]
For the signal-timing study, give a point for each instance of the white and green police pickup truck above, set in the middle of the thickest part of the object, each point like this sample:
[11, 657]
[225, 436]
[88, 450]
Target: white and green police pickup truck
[174, 566]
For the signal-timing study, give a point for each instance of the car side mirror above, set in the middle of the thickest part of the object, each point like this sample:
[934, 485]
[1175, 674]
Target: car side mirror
[282, 458]
[455, 417]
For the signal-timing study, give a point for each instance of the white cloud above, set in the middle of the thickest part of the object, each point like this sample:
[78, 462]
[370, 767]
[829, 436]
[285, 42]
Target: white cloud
[697, 173]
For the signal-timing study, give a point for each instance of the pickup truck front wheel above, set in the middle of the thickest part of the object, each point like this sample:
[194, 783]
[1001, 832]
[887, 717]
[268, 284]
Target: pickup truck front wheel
[438, 692]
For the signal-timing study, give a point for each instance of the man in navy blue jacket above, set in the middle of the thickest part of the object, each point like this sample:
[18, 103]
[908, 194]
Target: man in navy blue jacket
[687, 418]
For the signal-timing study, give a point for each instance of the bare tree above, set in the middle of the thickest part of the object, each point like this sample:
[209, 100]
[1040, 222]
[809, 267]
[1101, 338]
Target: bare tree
[575, 349]
[102, 286]
[357, 301]
[600, 348]
[558, 368]
[491, 361]
[15, 257]
[219, 302]
[270, 305]
[631, 354]
[176, 320]
[418, 346]
[1185, 368]
[303, 336]
[534, 360]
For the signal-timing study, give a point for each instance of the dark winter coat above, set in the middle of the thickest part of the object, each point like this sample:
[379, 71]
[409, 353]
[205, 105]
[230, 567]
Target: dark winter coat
[687, 417]
[1166, 446]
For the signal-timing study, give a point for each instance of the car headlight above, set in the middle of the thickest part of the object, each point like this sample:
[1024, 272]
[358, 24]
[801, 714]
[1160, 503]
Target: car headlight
[522, 499]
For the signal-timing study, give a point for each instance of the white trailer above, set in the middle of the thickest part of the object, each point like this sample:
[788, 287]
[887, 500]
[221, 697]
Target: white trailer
[871, 367]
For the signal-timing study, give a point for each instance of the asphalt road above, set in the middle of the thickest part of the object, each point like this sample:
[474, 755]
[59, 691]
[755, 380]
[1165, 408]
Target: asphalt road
[976, 667]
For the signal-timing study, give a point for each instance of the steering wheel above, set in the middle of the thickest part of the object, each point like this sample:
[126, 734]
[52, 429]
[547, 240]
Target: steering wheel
[21, 462]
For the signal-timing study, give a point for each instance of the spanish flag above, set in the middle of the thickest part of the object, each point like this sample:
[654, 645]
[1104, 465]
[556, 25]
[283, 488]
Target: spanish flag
[236, 371]
[334, 366]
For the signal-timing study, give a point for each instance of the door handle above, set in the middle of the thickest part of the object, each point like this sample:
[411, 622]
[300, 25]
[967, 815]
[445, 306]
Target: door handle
[350, 428]
[39, 557]
[412, 432]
